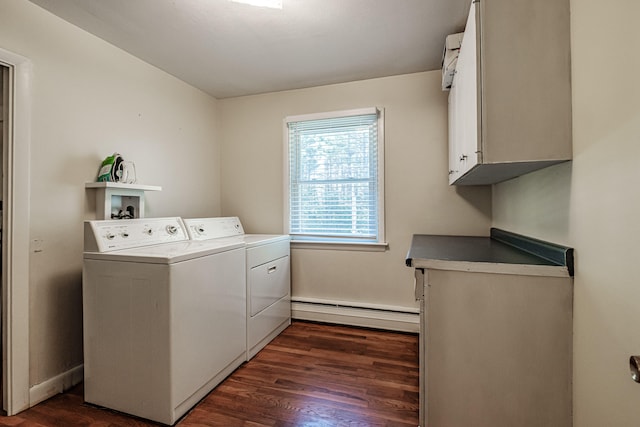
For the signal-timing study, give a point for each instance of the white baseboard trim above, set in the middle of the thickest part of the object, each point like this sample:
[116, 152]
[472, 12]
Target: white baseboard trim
[55, 385]
[356, 314]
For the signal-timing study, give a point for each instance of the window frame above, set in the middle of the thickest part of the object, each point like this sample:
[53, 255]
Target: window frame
[339, 243]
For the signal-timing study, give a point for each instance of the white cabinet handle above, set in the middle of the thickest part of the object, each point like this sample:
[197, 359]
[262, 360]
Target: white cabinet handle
[271, 269]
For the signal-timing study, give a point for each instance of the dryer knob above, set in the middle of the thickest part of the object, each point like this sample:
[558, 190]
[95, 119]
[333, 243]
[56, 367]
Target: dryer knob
[172, 229]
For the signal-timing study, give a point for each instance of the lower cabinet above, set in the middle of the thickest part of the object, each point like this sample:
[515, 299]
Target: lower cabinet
[496, 349]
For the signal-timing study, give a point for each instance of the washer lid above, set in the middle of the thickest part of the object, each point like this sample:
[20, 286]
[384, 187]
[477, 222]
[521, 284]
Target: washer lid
[263, 239]
[168, 253]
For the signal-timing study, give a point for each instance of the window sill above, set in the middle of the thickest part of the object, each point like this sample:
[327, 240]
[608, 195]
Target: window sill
[340, 246]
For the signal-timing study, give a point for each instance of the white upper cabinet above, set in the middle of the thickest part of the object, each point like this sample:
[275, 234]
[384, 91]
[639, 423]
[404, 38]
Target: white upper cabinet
[510, 101]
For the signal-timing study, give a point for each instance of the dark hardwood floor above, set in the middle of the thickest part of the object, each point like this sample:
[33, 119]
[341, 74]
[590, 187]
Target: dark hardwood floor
[312, 375]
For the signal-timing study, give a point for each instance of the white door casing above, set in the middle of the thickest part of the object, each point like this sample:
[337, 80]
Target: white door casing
[15, 239]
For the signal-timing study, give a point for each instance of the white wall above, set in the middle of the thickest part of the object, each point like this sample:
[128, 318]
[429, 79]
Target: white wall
[593, 205]
[90, 99]
[418, 199]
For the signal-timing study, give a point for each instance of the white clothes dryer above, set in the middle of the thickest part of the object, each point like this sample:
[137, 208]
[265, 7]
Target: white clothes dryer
[268, 276]
[164, 317]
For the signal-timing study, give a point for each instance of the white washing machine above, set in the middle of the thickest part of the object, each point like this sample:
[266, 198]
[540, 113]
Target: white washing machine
[164, 317]
[268, 276]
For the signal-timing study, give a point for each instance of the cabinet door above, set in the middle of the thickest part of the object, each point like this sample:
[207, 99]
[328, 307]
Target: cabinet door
[454, 142]
[469, 145]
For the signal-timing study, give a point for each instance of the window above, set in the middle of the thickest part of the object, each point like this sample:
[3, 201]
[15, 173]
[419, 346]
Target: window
[335, 177]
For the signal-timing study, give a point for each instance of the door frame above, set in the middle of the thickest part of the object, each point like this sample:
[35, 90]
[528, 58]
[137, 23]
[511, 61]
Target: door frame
[15, 236]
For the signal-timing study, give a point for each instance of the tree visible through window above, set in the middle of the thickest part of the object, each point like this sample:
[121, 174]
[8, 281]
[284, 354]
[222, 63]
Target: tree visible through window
[335, 181]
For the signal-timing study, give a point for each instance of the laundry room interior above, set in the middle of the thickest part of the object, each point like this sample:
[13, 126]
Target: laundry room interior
[73, 98]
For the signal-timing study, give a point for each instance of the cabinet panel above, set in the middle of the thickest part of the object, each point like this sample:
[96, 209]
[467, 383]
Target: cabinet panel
[526, 80]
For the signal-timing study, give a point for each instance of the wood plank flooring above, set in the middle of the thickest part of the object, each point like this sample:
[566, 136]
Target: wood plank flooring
[312, 375]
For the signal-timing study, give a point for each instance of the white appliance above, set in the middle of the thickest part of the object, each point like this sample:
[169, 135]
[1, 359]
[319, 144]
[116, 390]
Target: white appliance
[164, 317]
[268, 276]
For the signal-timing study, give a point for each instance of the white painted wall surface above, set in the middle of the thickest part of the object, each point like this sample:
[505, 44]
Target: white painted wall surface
[418, 199]
[593, 205]
[89, 100]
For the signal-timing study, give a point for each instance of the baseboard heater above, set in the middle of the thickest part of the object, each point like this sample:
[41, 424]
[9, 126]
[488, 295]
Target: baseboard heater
[356, 314]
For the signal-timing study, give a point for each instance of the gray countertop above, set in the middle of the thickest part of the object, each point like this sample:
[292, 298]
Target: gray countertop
[482, 254]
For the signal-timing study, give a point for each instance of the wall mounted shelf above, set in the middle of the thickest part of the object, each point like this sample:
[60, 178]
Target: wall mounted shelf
[117, 200]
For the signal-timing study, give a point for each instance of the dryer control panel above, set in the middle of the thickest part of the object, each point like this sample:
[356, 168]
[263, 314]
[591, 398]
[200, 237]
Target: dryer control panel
[111, 235]
[213, 228]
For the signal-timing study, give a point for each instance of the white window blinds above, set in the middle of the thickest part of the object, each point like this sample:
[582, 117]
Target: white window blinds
[334, 178]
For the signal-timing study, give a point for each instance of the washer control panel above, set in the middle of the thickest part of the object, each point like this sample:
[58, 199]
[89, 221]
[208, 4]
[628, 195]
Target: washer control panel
[112, 235]
[213, 228]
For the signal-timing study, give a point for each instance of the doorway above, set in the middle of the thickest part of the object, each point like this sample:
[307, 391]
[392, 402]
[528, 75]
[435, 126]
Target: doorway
[14, 301]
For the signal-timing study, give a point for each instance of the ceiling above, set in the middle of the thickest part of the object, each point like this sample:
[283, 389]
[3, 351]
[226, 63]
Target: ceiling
[229, 49]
